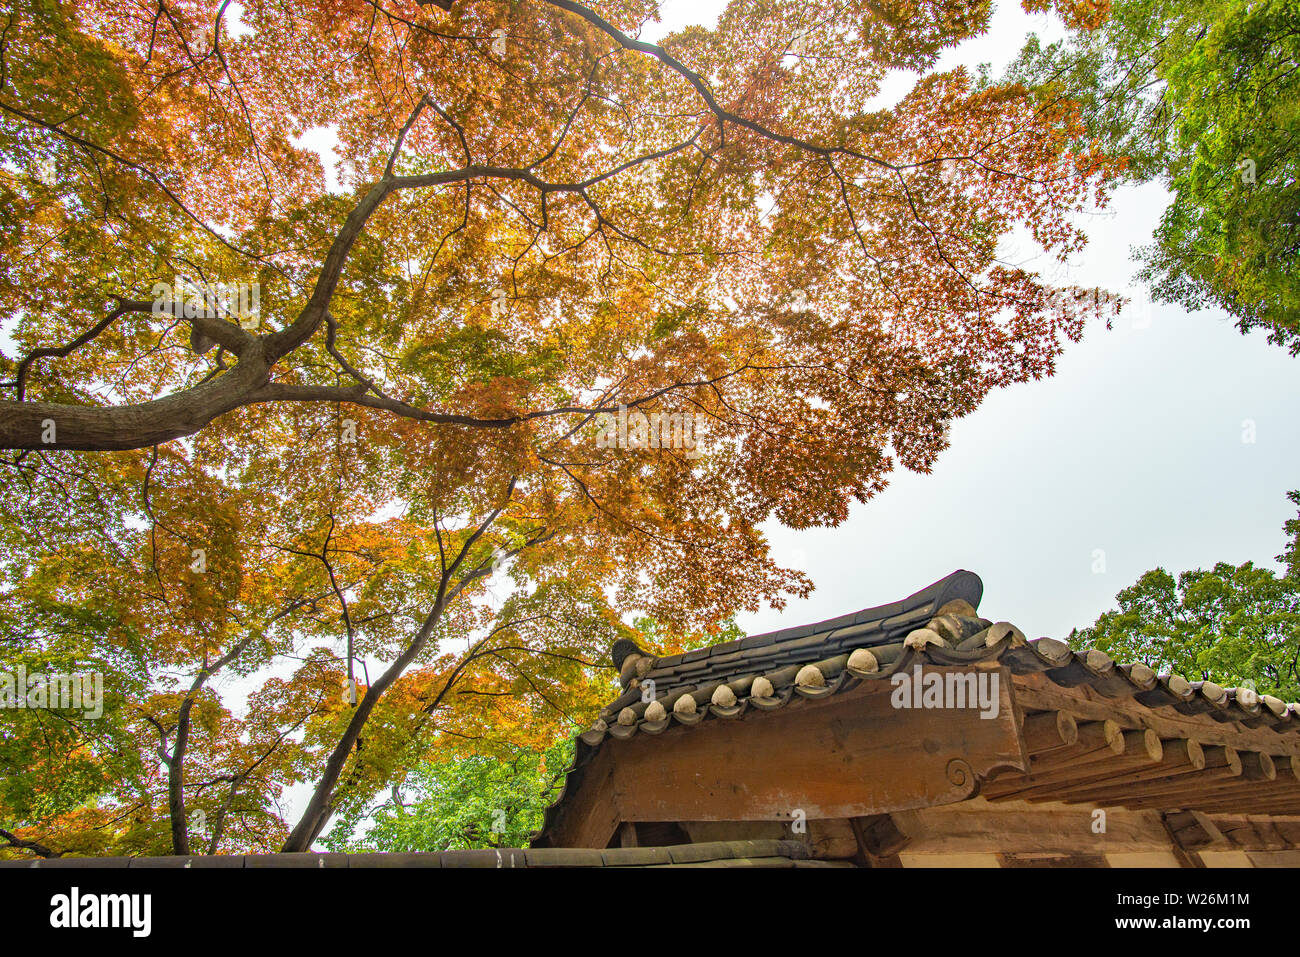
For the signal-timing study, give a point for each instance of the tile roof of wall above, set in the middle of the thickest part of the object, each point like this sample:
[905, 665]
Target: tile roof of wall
[937, 625]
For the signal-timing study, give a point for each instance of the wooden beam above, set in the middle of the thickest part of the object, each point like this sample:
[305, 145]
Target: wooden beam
[1140, 750]
[1048, 730]
[1178, 757]
[1210, 787]
[1279, 792]
[1221, 765]
[1191, 830]
[852, 754]
[879, 840]
[1253, 833]
[627, 835]
[1095, 741]
[1186, 858]
[1212, 763]
[1250, 802]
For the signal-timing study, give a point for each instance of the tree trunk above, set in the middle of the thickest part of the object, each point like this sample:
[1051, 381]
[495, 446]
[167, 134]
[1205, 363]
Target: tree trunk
[321, 807]
[176, 781]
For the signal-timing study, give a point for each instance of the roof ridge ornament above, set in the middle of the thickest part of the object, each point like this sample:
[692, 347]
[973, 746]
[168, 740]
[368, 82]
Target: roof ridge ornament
[620, 650]
[632, 663]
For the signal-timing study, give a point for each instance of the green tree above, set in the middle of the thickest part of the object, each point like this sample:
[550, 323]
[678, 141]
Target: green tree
[1205, 96]
[1291, 557]
[478, 801]
[1237, 624]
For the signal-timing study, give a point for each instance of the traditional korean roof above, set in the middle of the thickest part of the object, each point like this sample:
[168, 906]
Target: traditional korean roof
[1078, 706]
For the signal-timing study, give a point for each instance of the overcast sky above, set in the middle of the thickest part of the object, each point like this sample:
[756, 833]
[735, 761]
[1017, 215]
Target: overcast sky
[1132, 453]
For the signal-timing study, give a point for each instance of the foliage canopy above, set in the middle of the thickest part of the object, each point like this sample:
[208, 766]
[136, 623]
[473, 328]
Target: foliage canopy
[387, 474]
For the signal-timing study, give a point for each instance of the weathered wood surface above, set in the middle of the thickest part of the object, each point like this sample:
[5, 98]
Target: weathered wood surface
[1106, 782]
[879, 836]
[849, 755]
[1252, 832]
[1049, 730]
[1203, 764]
[1252, 786]
[589, 817]
[1192, 830]
[1127, 751]
[1016, 827]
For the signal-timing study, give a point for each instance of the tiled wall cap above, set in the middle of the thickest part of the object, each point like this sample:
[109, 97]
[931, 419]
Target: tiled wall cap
[1276, 705]
[1002, 629]
[1247, 697]
[1140, 674]
[922, 637]
[723, 696]
[1052, 650]
[810, 677]
[863, 660]
[947, 627]
[1178, 685]
[762, 688]
[1215, 694]
[1098, 661]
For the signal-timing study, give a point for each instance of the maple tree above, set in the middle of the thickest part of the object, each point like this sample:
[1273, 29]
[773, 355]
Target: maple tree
[542, 220]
